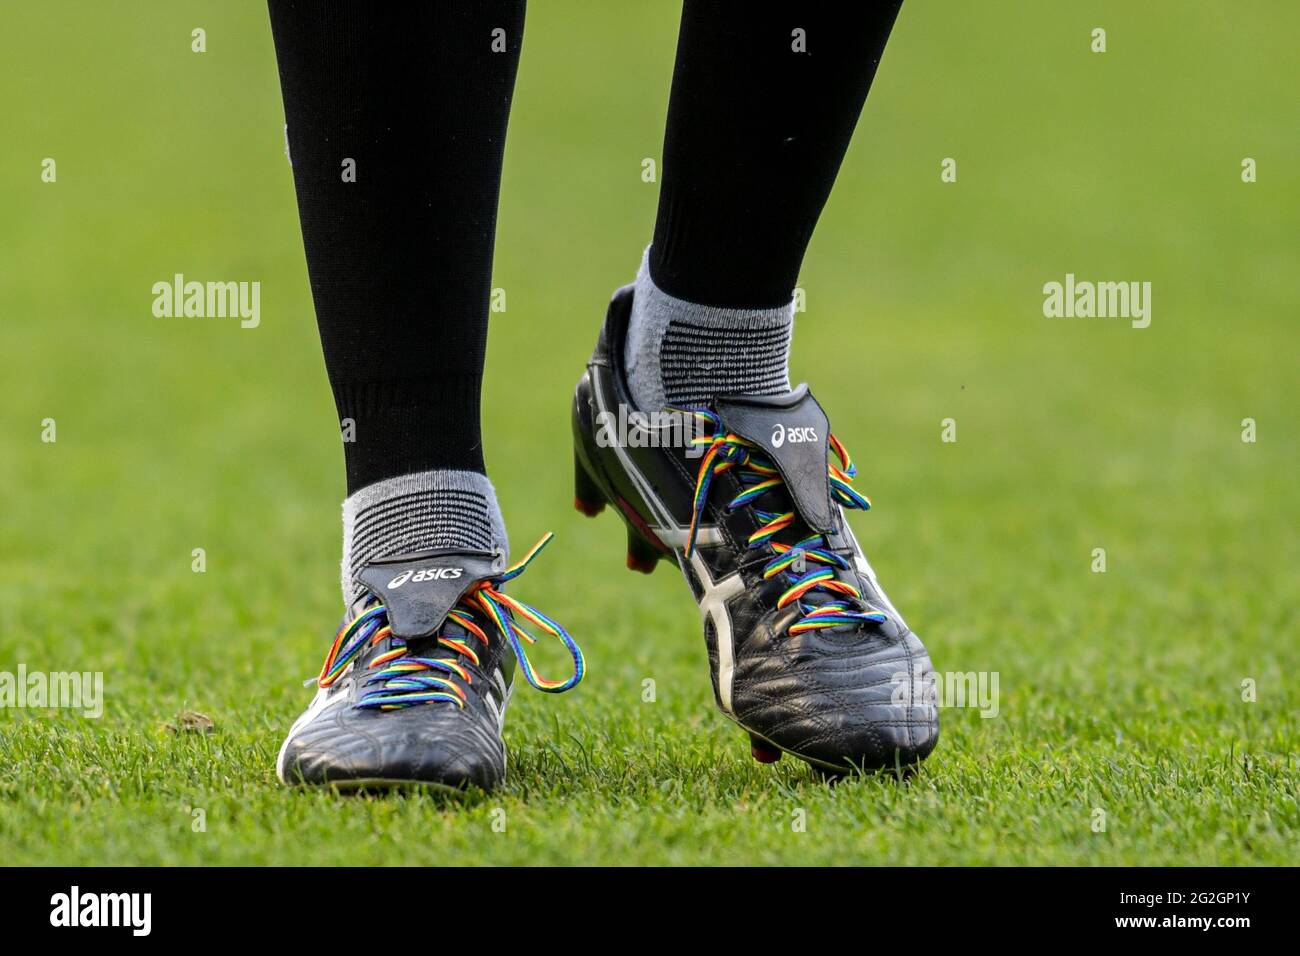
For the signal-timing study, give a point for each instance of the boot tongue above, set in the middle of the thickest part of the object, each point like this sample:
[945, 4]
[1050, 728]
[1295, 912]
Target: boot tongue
[793, 431]
[418, 589]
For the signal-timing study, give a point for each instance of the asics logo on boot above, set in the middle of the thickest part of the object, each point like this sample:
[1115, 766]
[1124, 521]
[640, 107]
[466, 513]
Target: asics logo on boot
[795, 436]
[425, 574]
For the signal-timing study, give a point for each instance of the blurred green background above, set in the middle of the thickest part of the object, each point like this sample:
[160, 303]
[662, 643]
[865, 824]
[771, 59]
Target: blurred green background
[1120, 691]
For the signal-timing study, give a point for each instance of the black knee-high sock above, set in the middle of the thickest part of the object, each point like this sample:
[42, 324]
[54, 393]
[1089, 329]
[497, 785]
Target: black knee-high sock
[757, 128]
[415, 100]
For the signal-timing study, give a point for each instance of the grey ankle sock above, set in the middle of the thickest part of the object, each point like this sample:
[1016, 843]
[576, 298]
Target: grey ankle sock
[416, 512]
[681, 353]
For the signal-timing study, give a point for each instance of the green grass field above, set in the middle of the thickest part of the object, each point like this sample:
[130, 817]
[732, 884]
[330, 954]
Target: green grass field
[1120, 691]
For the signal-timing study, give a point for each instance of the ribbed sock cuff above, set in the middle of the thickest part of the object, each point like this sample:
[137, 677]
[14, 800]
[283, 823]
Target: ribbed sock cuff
[416, 512]
[683, 353]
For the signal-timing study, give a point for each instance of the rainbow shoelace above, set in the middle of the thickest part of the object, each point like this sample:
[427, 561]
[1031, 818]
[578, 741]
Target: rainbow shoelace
[727, 451]
[404, 680]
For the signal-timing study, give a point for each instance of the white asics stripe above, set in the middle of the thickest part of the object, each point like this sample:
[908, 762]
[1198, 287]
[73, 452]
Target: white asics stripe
[864, 568]
[708, 536]
[318, 705]
[713, 604]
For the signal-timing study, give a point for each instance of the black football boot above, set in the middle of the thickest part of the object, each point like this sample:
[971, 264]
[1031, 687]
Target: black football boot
[806, 652]
[415, 687]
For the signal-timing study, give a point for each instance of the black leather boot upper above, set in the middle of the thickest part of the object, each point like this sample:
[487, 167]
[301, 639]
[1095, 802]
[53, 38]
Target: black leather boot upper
[416, 686]
[837, 696]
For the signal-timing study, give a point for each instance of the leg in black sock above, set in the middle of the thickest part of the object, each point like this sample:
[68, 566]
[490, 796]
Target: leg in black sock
[401, 259]
[764, 100]
[414, 100]
[756, 132]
